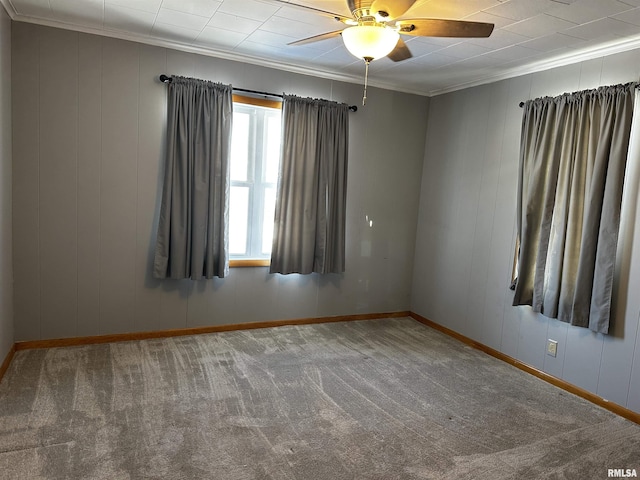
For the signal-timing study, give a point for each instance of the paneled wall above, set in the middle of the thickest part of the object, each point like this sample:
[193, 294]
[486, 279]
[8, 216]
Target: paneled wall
[466, 232]
[89, 120]
[6, 271]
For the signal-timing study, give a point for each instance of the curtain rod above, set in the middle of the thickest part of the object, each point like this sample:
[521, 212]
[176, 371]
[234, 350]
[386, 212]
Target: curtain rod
[521, 104]
[167, 79]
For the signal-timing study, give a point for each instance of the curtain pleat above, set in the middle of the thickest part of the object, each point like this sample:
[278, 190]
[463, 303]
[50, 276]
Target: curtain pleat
[192, 240]
[310, 218]
[572, 161]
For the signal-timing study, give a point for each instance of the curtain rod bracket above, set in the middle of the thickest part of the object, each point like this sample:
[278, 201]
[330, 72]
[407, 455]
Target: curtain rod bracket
[167, 79]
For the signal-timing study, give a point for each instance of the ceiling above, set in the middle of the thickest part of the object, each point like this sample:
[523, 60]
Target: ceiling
[529, 35]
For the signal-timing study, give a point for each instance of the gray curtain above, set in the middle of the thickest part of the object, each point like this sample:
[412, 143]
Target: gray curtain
[192, 239]
[572, 162]
[309, 230]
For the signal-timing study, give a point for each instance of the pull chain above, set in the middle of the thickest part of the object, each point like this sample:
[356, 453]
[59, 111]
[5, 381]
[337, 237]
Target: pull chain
[367, 61]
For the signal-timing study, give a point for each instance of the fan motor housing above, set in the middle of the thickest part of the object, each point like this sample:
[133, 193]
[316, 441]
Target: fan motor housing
[368, 15]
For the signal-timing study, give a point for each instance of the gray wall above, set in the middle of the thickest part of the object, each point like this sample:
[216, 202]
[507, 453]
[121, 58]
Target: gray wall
[466, 232]
[6, 271]
[89, 123]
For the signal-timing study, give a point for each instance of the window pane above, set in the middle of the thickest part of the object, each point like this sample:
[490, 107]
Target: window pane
[255, 159]
[238, 220]
[267, 219]
[240, 146]
[272, 150]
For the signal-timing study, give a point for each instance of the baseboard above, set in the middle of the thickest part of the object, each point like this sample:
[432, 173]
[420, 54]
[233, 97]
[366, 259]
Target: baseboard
[7, 361]
[127, 337]
[558, 382]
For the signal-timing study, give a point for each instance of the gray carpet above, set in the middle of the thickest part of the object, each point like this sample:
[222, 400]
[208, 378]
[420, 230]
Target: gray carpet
[384, 399]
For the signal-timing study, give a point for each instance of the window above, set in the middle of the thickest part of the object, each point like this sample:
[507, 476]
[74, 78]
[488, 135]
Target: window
[572, 163]
[255, 159]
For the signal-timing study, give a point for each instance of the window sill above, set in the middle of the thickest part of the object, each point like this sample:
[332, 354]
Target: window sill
[249, 263]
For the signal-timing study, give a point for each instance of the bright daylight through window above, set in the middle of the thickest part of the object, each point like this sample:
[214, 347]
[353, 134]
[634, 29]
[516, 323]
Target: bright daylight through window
[255, 158]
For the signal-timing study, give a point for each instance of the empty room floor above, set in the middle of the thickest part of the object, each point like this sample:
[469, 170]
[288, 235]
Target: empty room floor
[377, 399]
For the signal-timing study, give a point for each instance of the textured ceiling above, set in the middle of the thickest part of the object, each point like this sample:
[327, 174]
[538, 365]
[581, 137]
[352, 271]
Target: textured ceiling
[529, 35]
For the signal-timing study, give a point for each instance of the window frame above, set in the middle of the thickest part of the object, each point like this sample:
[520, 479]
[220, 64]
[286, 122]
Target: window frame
[260, 102]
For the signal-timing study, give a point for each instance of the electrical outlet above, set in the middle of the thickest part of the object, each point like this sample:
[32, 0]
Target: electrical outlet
[552, 347]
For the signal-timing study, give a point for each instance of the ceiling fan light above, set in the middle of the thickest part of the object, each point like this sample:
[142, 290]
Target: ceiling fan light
[368, 41]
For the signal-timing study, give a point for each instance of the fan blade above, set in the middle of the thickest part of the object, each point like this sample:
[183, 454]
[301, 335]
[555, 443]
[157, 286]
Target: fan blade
[392, 8]
[400, 52]
[317, 38]
[337, 16]
[433, 27]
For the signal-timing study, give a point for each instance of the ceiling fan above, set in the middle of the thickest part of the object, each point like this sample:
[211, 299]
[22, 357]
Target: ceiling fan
[375, 27]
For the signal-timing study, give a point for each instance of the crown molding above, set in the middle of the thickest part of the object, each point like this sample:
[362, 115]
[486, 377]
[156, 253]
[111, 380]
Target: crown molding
[577, 56]
[598, 51]
[9, 8]
[210, 52]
